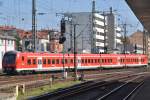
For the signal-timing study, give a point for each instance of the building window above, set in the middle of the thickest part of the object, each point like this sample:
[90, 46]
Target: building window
[11, 41]
[2, 54]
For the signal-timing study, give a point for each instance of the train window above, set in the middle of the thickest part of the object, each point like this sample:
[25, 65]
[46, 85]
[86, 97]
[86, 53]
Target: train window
[98, 60]
[88, 60]
[92, 60]
[62, 61]
[57, 61]
[22, 58]
[44, 61]
[29, 61]
[82, 60]
[95, 60]
[85, 60]
[109, 61]
[102, 60]
[71, 60]
[53, 61]
[34, 61]
[121, 60]
[49, 61]
[105, 60]
[9, 58]
[66, 61]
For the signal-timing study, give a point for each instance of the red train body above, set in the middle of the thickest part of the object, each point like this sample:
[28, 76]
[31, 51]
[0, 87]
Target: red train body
[18, 61]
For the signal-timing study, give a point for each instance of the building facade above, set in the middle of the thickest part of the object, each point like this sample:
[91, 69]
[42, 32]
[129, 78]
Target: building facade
[42, 42]
[7, 43]
[93, 32]
[55, 46]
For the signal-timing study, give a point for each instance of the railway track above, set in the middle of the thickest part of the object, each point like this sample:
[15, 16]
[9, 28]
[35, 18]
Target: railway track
[20, 79]
[106, 86]
[124, 91]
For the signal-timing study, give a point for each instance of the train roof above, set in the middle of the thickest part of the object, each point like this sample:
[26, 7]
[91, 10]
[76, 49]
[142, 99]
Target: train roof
[32, 54]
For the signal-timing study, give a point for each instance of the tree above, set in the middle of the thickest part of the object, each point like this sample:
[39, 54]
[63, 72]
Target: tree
[17, 42]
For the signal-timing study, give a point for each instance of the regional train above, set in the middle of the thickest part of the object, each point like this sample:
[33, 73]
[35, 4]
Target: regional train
[34, 62]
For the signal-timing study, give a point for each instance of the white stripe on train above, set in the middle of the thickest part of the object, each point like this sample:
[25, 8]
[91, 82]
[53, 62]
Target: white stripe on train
[79, 67]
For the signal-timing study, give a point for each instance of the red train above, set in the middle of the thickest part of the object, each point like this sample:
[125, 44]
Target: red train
[28, 61]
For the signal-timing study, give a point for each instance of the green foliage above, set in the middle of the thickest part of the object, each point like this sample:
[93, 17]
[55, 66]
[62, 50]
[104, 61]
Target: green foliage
[45, 89]
[18, 45]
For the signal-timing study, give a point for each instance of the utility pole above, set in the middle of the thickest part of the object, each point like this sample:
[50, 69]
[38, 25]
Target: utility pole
[34, 25]
[75, 52]
[144, 41]
[93, 46]
[71, 46]
[124, 43]
[125, 38]
[105, 35]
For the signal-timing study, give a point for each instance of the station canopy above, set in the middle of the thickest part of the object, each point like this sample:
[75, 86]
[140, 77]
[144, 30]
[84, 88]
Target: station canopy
[141, 9]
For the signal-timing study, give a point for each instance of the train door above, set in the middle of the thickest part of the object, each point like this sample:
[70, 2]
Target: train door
[118, 60]
[39, 62]
[79, 62]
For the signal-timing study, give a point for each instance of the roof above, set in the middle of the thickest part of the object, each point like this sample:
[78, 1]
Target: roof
[141, 9]
[7, 37]
[28, 34]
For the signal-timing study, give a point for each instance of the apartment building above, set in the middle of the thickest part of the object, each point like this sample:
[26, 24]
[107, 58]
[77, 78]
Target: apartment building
[93, 34]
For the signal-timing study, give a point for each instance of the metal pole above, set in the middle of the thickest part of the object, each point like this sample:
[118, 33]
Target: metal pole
[75, 72]
[125, 32]
[125, 46]
[34, 25]
[104, 32]
[63, 62]
[92, 33]
[71, 46]
[144, 41]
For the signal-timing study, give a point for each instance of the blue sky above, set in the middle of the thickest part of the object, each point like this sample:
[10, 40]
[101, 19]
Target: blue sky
[18, 12]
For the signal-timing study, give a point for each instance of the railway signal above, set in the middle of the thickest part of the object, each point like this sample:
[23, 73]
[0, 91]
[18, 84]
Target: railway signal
[62, 39]
[63, 26]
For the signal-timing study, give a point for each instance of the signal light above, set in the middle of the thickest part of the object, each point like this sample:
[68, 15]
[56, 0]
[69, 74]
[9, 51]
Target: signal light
[62, 39]
[63, 25]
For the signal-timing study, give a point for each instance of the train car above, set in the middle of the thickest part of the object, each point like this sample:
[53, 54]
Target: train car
[14, 62]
